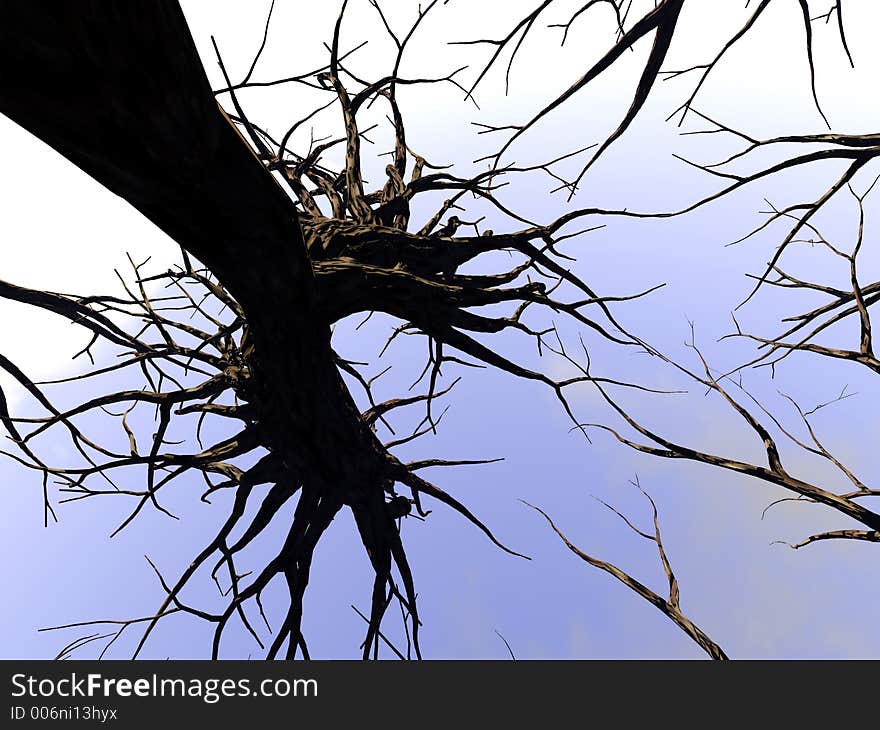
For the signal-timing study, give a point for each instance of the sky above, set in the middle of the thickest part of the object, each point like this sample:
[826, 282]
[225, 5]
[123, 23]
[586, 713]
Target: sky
[755, 598]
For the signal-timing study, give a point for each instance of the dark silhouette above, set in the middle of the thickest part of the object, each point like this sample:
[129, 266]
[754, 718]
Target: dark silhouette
[119, 90]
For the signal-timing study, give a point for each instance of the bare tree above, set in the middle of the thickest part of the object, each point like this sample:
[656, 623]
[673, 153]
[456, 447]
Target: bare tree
[278, 245]
[802, 332]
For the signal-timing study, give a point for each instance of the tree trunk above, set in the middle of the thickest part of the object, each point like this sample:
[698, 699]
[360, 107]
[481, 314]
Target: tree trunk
[119, 90]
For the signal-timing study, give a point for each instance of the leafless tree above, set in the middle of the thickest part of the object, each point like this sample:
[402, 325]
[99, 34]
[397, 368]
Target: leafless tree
[856, 152]
[278, 245]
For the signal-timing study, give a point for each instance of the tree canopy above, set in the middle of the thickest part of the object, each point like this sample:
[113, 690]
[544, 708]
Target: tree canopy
[279, 243]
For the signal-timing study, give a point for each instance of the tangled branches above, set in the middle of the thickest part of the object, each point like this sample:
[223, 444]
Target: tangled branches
[224, 343]
[281, 242]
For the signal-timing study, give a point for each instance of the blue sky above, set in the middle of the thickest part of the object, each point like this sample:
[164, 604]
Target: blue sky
[754, 598]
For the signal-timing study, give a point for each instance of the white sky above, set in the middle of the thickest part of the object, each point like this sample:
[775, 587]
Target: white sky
[62, 231]
[73, 243]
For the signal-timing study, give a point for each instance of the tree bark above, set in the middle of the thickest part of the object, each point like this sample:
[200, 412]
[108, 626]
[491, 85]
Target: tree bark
[119, 90]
